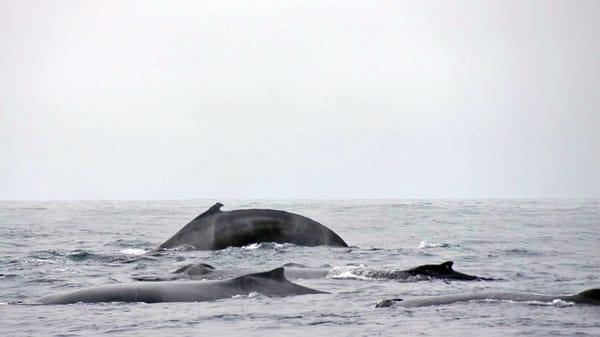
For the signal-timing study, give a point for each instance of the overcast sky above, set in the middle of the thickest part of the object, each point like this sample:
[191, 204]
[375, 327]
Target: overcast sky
[299, 99]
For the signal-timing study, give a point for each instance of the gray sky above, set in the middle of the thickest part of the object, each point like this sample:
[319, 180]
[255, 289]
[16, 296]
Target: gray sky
[299, 99]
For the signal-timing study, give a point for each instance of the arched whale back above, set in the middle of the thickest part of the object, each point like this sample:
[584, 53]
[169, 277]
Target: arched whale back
[214, 229]
[271, 283]
[195, 269]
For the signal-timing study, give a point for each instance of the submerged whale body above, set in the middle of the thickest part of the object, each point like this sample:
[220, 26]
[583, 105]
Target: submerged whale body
[271, 283]
[591, 296]
[203, 271]
[215, 229]
[442, 271]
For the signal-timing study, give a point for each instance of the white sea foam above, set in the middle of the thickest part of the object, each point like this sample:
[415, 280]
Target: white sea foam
[348, 272]
[561, 303]
[133, 251]
[265, 245]
[430, 244]
[250, 295]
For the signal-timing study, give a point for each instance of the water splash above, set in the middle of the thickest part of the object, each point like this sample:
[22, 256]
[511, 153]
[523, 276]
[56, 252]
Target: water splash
[430, 244]
[134, 251]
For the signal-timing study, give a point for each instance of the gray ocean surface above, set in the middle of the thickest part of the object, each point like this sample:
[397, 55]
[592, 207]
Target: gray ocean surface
[534, 246]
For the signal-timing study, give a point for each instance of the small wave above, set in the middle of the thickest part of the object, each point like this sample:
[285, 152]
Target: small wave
[80, 255]
[45, 255]
[555, 303]
[430, 244]
[133, 251]
[294, 264]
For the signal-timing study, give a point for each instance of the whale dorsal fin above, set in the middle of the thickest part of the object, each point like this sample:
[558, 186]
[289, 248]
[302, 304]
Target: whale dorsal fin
[590, 296]
[275, 274]
[447, 265]
[214, 209]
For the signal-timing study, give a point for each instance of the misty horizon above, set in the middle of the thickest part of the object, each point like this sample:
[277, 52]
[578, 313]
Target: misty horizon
[279, 101]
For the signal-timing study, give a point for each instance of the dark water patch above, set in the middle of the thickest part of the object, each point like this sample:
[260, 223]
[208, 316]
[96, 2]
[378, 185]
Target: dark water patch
[138, 259]
[224, 317]
[44, 280]
[334, 319]
[78, 255]
[7, 276]
[521, 252]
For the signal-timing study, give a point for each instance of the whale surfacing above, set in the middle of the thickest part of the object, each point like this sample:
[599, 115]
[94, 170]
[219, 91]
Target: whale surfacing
[215, 230]
[203, 271]
[272, 283]
[590, 296]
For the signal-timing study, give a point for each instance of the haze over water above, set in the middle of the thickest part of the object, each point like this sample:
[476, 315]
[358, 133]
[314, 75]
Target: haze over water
[540, 246]
[141, 100]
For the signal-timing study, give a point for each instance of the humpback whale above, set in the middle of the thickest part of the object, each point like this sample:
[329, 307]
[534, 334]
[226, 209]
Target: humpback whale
[215, 229]
[590, 296]
[203, 271]
[271, 283]
[438, 271]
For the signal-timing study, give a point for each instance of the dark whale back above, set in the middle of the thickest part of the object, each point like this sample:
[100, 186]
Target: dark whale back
[270, 283]
[590, 296]
[444, 271]
[214, 229]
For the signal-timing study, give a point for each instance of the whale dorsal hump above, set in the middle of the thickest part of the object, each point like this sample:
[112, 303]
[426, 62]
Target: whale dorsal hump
[388, 303]
[195, 269]
[447, 265]
[214, 209]
[275, 274]
[591, 294]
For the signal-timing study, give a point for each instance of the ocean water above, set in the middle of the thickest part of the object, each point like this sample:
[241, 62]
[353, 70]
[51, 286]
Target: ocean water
[534, 246]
